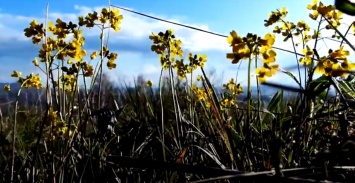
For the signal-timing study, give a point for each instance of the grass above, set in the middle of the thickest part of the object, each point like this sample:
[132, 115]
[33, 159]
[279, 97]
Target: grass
[181, 129]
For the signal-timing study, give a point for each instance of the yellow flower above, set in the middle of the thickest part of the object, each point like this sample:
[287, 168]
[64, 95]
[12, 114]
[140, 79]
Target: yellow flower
[276, 16]
[7, 87]
[227, 102]
[314, 15]
[79, 54]
[339, 54]
[277, 30]
[287, 26]
[284, 11]
[234, 38]
[51, 27]
[347, 65]
[207, 104]
[111, 65]
[52, 115]
[325, 10]
[70, 61]
[229, 85]
[307, 51]
[16, 74]
[233, 87]
[89, 71]
[336, 15]
[199, 93]
[303, 25]
[266, 71]
[155, 38]
[316, 34]
[149, 83]
[35, 62]
[269, 55]
[112, 57]
[313, 6]
[338, 71]
[272, 69]
[269, 40]
[306, 60]
[199, 78]
[202, 60]
[115, 19]
[93, 55]
[324, 66]
[239, 53]
[261, 74]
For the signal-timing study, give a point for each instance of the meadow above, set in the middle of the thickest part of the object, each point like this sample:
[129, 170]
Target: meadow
[183, 128]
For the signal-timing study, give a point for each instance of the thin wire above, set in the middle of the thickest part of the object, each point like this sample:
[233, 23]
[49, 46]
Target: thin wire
[194, 28]
[205, 31]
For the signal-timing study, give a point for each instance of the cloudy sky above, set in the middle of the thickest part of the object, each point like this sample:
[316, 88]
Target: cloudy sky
[132, 43]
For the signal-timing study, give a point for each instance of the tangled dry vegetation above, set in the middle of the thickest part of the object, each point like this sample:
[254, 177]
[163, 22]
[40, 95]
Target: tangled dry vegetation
[95, 133]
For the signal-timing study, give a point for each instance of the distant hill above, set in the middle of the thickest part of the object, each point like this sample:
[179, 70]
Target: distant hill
[28, 96]
[31, 96]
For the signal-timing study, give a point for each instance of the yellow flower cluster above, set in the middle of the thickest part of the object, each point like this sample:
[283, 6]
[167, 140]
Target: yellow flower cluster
[329, 12]
[335, 64]
[36, 31]
[149, 83]
[30, 81]
[327, 65]
[288, 29]
[63, 49]
[88, 69]
[276, 16]
[59, 128]
[202, 95]
[167, 47]
[308, 53]
[57, 47]
[69, 81]
[112, 15]
[232, 90]
[247, 47]
[170, 54]
[7, 87]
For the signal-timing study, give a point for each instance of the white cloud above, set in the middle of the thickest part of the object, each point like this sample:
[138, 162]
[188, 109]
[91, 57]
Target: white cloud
[137, 29]
[151, 69]
[288, 60]
[134, 28]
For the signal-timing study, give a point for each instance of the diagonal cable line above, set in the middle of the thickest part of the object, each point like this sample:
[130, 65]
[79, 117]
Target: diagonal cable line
[209, 32]
[205, 31]
[167, 21]
[194, 28]
[201, 30]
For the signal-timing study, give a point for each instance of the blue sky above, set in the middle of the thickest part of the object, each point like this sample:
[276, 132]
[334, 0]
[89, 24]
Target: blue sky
[132, 43]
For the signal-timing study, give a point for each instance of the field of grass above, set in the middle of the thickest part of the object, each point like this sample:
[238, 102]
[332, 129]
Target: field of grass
[184, 128]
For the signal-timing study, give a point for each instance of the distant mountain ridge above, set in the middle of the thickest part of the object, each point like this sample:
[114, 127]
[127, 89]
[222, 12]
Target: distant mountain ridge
[31, 95]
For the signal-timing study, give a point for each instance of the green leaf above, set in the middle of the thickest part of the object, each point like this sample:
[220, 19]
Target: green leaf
[347, 89]
[274, 106]
[345, 6]
[292, 76]
[318, 86]
[289, 157]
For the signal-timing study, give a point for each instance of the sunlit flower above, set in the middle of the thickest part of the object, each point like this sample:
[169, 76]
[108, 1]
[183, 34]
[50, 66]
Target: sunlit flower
[149, 83]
